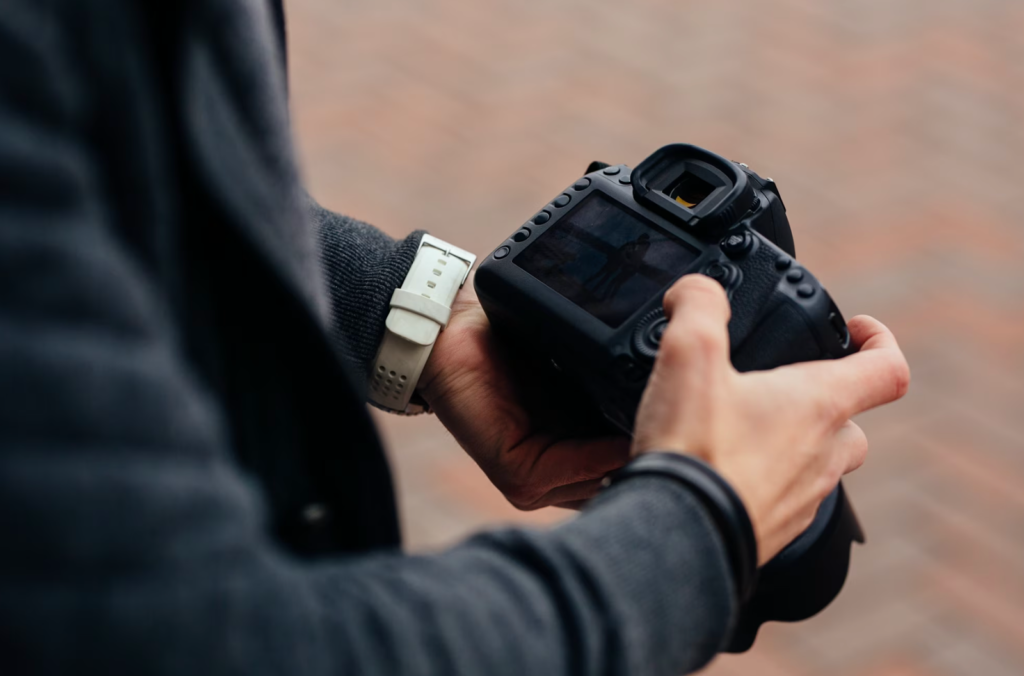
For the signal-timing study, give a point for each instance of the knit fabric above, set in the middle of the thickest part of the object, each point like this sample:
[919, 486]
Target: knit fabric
[189, 484]
[362, 268]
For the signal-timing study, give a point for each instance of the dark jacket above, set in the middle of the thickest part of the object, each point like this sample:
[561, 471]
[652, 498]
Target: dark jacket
[189, 480]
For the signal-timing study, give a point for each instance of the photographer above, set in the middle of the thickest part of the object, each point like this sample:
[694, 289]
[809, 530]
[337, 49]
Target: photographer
[189, 481]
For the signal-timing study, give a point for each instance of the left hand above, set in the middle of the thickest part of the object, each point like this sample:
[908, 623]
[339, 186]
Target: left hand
[532, 442]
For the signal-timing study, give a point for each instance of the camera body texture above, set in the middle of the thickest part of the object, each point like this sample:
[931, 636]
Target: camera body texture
[581, 284]
[583, 280]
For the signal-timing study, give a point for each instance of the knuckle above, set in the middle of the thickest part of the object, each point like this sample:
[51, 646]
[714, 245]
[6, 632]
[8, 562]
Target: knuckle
[860, 443]
[900, 376]
[671, 353]
[857, 461]
[681, 352]
[701, 339]
[860, 456]
[521, 500]
[671, 298]
[519, 504]
[519, 495]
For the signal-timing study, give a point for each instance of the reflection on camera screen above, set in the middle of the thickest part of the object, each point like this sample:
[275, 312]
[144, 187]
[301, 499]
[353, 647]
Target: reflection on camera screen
[606, 259]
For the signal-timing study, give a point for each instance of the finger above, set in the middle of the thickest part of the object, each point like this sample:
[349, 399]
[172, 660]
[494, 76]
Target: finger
[852, 443]
[867, 333]
[572, 460]
[698, 312]
[698, 294]
[572, 496]
[878, 374]
[557, 467]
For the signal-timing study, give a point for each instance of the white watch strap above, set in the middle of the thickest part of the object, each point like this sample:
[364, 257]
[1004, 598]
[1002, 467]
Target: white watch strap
[419, 311]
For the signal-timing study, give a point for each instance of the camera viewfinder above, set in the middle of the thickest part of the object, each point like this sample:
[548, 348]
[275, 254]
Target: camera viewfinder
[690, 190]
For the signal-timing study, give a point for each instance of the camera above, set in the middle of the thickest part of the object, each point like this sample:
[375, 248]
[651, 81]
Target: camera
[581, 284]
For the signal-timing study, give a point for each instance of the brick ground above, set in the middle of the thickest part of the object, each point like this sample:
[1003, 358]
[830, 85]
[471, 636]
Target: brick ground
[894, 130]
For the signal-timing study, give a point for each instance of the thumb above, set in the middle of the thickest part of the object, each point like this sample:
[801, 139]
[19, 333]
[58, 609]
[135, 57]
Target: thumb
[697, 333]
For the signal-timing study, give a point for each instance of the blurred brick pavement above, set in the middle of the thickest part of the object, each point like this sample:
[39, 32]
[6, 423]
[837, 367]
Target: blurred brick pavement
[894, 129]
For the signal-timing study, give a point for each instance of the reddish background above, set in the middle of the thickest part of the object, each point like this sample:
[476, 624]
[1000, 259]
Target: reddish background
[894, 130]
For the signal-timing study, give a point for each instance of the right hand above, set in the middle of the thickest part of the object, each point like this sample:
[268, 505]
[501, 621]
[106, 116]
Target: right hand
[782, 438]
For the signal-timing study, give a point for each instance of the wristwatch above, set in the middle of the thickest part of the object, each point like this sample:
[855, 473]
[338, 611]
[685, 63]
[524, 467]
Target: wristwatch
[420, 309]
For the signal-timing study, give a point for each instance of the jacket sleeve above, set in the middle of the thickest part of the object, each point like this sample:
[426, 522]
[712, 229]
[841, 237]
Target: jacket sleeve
[362, 267]
[131, 543]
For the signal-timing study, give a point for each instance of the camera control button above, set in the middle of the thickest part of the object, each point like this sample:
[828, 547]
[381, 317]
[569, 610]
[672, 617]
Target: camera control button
[737, 244]
[625, 179]
[581, 184]
[562, 200]
[717, 272]
[611, 171]
[795, 275]
[647, 336]
[783, 263]
[521, 235]
[722, 273]
[805, 290]
[658, 330]
[652, 333]
[542, 218]
[502, 252]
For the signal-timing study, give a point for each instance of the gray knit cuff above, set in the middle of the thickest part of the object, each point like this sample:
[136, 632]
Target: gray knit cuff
[658, 547]
[362, 268]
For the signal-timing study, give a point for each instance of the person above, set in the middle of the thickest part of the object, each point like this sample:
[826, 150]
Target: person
[189, 480]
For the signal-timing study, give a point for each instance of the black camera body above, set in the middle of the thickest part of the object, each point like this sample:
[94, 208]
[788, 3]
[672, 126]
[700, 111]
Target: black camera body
[582, 284]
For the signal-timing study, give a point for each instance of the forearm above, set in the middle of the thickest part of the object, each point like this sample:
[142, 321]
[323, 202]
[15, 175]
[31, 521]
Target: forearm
[637, 585]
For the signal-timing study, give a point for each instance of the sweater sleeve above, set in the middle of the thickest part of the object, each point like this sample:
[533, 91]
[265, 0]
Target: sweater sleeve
[362, 267]
[637, 584]
[132, 543]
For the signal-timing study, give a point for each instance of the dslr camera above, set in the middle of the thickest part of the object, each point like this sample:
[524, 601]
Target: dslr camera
[582, 282]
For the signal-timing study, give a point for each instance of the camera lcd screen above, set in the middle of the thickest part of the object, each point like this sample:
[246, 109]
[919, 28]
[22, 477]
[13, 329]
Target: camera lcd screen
[606, 259]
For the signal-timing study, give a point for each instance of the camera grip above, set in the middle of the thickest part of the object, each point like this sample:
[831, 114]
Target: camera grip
[782, 315]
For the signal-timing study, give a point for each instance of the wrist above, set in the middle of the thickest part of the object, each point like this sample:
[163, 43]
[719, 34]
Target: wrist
[439, 362]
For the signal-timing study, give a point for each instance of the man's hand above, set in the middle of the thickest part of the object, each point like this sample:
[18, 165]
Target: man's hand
[782, 438]
[534, 442]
